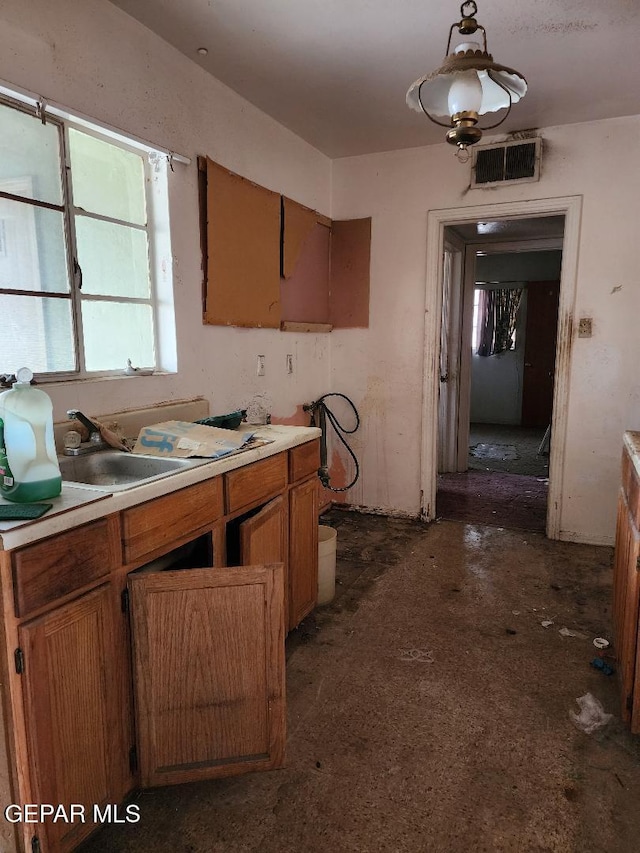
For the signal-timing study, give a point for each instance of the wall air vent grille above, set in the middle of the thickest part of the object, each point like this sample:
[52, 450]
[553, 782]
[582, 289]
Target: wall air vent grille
[506, 163]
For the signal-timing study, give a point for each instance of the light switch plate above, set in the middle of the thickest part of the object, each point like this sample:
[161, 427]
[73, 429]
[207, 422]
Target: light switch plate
[585, 327]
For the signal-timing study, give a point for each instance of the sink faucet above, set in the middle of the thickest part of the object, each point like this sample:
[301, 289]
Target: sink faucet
[95, 442]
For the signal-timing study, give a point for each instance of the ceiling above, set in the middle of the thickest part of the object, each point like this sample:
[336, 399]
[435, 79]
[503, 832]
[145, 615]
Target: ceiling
[336, 72]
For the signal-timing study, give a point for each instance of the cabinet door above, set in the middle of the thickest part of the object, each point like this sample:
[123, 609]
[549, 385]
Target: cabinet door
[626, 610]
[263, 536]
[303, 550]
[208, 672]
[75, 720]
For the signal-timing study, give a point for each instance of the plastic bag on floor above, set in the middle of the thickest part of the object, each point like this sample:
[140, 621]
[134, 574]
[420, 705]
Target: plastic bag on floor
[592, 715]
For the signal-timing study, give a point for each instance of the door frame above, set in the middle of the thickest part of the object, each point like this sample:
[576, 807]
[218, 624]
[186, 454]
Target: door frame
[571, 208]
[449, 389]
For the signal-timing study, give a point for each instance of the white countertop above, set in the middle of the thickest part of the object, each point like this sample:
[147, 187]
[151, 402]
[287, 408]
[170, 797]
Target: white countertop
[80, 504]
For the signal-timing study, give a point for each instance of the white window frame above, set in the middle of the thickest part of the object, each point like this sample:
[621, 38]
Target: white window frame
[155, 168]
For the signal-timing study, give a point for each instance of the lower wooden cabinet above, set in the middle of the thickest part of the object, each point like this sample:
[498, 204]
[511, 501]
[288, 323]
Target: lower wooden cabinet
[208, 672]
[263, 536]
[303, 550]
[626, 596]
[198, 650]
[78, 753]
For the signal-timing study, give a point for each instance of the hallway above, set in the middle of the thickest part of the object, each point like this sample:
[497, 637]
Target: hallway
[429, 711]
[506, 483]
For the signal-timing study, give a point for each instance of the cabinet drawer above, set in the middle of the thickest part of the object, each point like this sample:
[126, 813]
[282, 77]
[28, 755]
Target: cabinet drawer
[152, 526]
[304, 460]
[256, 482]
[57, 566]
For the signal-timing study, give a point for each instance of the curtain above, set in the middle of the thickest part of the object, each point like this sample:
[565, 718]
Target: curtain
[498, 313]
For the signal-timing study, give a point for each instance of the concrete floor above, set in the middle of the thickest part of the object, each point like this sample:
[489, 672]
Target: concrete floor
[429, 711]
[486, 441]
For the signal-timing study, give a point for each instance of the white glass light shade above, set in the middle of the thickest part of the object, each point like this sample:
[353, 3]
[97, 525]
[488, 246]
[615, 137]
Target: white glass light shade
[433, 89]
[465, 93]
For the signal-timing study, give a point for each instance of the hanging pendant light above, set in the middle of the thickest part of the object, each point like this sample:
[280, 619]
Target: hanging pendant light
[467, 85]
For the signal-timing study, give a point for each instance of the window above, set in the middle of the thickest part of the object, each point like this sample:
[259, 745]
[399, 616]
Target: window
[77, 246]
[495, 313]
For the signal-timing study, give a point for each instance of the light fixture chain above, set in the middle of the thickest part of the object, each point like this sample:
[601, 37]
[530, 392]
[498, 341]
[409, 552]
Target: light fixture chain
[474, 10]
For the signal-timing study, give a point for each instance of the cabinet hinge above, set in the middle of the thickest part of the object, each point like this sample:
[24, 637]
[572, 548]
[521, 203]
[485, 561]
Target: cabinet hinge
[124, 600]
[18, 657]
[133, 759]
[35, 844]
[638, 564]
[630, 702]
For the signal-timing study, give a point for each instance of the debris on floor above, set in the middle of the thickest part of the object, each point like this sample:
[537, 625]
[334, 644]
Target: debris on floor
[606, 668]
[592, 715]
[567, 632]
[416, 655]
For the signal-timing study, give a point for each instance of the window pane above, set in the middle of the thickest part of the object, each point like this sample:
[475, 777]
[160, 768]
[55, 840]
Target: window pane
[114, 258]
[106, 179]
[36, 332]
[32, 248]
[29, 156]
[114, 332]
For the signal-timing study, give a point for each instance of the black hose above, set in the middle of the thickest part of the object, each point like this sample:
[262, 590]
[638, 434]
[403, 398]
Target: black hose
[324, 413]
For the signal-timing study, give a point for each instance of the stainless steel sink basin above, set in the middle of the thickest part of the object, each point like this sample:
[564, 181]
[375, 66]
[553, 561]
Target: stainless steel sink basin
[115, 470]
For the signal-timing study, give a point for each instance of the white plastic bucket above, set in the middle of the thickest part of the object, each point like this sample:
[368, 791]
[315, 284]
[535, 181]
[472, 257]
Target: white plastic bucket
[327, 541]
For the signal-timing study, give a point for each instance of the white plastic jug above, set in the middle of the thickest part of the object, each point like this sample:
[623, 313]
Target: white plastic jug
[31, 471]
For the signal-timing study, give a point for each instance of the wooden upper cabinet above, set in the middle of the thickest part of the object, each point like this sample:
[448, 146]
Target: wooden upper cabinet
[350, 263]
[270, 261]
[208, 672]
[306, 250]
[243, 249]
[75, 712]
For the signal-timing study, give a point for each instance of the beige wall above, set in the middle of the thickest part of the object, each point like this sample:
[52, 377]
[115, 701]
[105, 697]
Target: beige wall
[92, 58]
[382, 367]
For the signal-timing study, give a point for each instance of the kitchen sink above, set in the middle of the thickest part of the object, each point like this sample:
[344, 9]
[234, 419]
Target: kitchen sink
[115, 470]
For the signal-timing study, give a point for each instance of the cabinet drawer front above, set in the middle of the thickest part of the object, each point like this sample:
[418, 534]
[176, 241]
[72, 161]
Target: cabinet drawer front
[57, 566]
[304, 460]
[256, 482]
[152, 526]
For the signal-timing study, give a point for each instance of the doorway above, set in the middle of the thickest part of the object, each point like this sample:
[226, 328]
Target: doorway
[516, 230]
[501, 475]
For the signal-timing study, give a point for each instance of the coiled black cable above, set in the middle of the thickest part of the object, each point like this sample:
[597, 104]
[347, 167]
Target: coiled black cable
[324, 414]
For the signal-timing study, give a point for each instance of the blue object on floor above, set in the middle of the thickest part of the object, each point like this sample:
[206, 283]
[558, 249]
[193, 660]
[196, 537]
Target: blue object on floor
[598, 663]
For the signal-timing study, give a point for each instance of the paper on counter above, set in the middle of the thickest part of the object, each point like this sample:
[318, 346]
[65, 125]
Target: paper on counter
[183, 439]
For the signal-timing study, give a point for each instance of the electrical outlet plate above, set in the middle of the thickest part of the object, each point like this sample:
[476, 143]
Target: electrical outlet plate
[289, 363]
[260, 366]
[585, 327]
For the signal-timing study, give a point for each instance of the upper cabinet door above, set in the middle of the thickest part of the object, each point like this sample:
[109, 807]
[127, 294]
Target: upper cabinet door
[243, 249]
[208, 672]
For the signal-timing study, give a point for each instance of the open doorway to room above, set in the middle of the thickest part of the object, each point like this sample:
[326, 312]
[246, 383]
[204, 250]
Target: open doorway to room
[500, 299]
